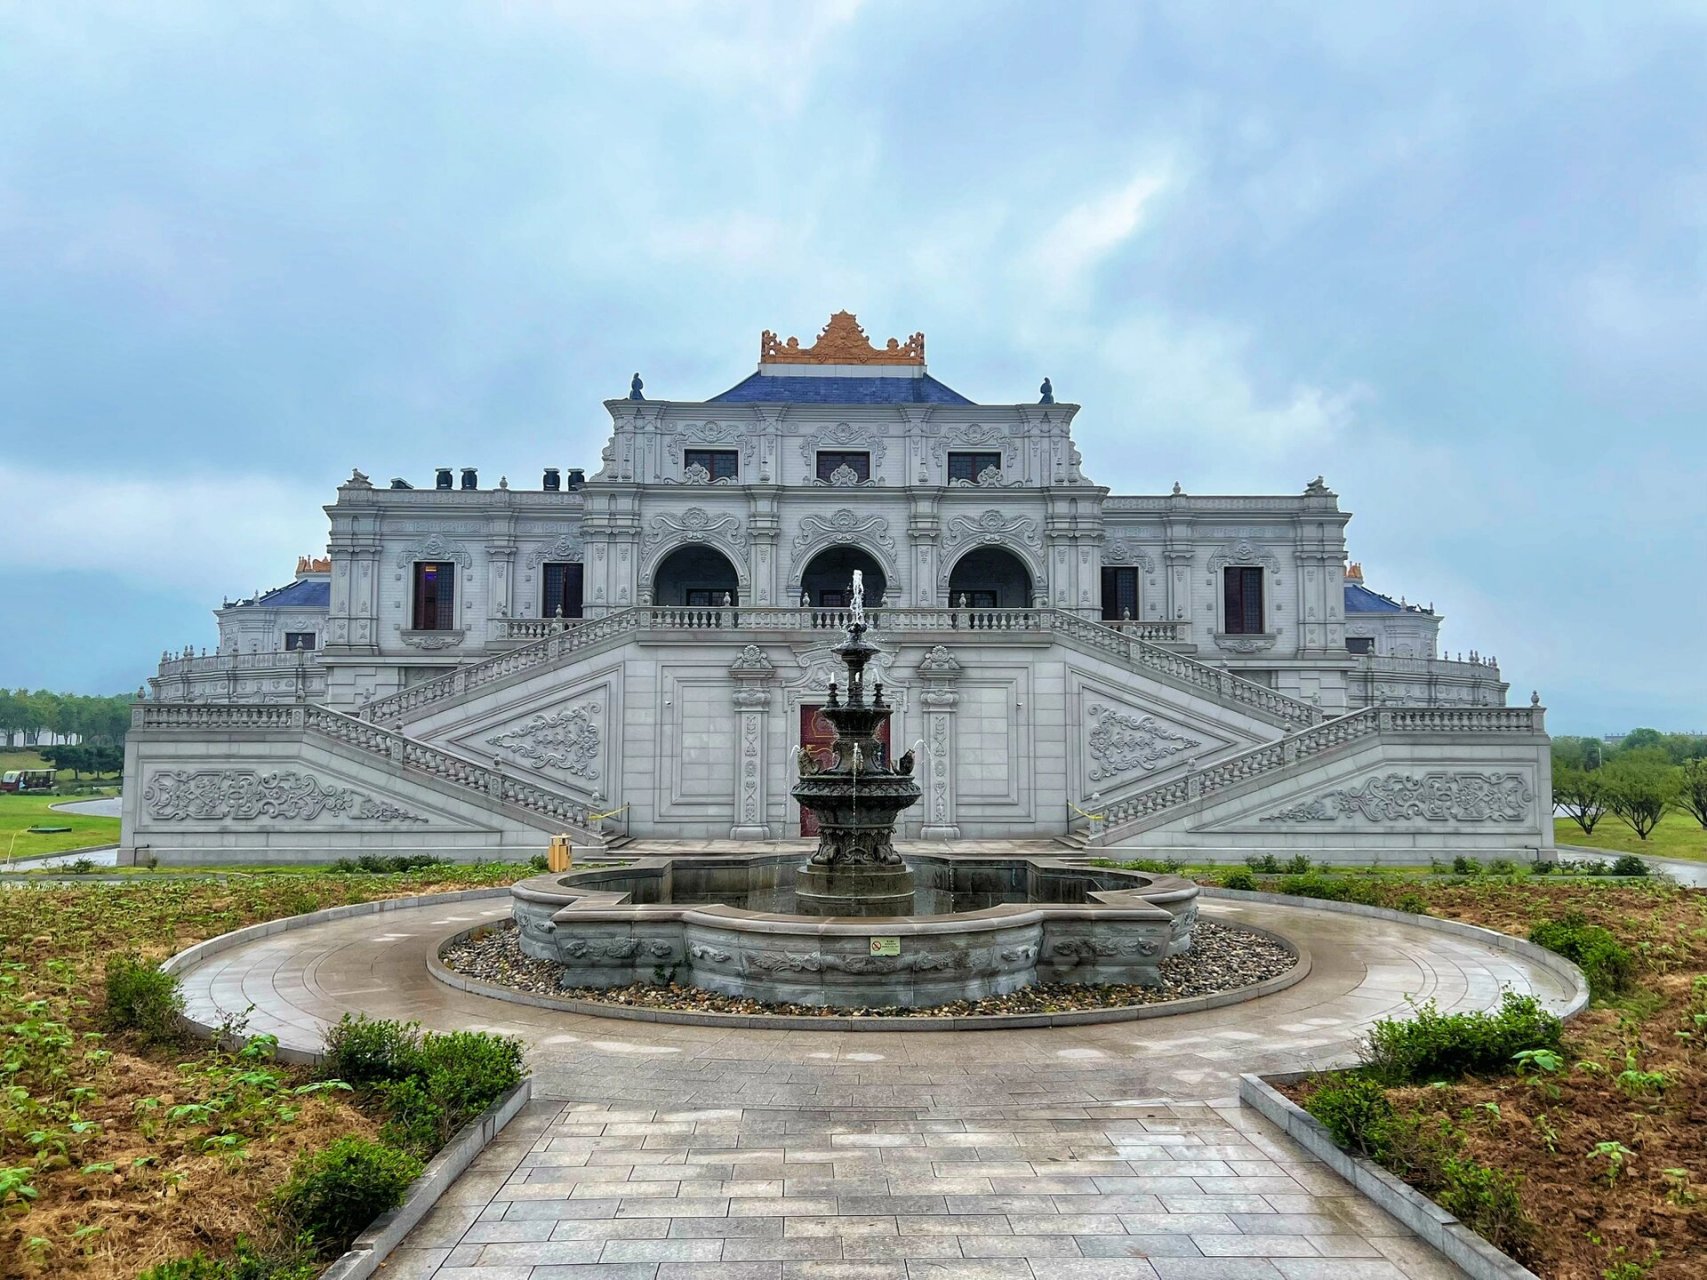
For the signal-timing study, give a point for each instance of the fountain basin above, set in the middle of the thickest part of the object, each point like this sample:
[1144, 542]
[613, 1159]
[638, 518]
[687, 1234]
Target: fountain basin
[984, 926]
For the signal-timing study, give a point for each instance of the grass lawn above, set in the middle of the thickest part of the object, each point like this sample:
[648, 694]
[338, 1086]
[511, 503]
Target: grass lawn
[20, 812]
[1677, 836]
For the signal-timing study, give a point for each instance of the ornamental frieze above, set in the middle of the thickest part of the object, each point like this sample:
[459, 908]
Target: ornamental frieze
[242, 795]
[1430, 797]
[1121, 742]
[566, 741]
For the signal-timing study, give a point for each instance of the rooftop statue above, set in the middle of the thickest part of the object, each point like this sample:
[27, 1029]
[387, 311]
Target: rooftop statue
[634, 388]
[1046, 393]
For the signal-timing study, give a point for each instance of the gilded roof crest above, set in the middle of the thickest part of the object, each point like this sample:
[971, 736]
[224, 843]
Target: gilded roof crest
[842, 341]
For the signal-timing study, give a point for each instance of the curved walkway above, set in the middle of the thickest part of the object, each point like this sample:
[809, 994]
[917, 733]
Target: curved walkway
[1114, 1150]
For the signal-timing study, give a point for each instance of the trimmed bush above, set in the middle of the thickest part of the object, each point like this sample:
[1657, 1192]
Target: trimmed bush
[142, 999]
[1604, 961]
[333, 1195]
[1630, 864]
[1485, 1200]
[367, 1052]
[458, 1075]
[1354, 1108]
[385, 864]
[1440, 1046]
[1243, 880]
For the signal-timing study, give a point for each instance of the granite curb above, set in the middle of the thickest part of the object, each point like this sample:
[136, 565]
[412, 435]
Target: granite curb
[1540, 956]
[190, 957]
[1433, 1225]
[368, 1252]
[789, 1022]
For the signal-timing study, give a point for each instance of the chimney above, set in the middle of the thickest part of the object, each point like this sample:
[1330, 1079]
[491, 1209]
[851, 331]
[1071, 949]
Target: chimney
[470, 478]
[441, 479]
[577, 477]
[552, 482]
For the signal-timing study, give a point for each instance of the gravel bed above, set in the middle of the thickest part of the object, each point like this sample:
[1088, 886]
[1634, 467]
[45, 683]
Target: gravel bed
[1221, 959]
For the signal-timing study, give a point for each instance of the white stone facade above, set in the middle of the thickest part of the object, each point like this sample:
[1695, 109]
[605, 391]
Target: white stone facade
[677, 699]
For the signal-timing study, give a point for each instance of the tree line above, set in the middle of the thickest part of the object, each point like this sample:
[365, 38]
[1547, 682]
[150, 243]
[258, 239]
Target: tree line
[1645, 776]
[99, 724]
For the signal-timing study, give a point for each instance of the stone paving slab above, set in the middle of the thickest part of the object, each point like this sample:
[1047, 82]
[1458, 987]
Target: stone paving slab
[1103, 1151]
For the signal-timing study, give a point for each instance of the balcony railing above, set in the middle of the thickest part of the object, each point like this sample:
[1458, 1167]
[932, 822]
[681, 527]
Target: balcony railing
[801, 618]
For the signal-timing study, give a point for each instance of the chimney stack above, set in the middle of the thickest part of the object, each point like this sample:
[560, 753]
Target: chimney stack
[552, 482]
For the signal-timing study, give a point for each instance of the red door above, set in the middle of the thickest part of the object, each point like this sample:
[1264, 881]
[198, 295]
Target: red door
[816, 735]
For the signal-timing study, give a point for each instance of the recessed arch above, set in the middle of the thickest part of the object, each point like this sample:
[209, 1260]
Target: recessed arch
[991, 577]
[696, 574]
[828, 576]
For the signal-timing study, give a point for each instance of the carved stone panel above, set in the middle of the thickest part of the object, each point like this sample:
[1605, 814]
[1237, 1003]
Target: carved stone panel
[565, 741]
[1121, 741]
[1429, 797]
[243, 795]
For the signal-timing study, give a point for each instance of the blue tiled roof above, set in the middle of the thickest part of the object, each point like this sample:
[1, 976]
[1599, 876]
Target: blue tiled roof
[764, 388]
[311, 594]
[1360, 599]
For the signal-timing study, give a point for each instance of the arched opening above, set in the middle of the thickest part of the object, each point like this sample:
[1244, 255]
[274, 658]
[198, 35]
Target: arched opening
[827, 582]
[696, 575]
[990, 578]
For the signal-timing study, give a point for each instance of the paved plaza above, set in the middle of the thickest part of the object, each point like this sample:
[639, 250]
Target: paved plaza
[656, 1151]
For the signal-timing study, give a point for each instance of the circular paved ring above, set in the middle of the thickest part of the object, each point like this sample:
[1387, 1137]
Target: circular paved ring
[295, 982]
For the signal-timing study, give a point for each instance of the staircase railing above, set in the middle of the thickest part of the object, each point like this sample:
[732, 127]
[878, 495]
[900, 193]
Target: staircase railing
[562, 810]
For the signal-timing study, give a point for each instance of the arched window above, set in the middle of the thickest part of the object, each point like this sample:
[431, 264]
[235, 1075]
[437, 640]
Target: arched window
[828, 578]
[990, 578]
[695, 575]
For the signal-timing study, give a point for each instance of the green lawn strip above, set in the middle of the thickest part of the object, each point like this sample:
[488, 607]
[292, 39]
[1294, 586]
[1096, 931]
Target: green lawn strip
[1677, 836]
[18, 813]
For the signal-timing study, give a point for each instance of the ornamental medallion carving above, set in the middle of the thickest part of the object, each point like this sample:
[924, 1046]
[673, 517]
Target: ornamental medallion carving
[707, 433]
[1430, 797]
[992, 527]
[1123, 552]
[696, 525]
[567, 741]
[843, 436]
[1247, 643]
[435, 547]
[751, 658]
[843, 525]
[1243, 552]
[1121, 742]
[242, 795]
[939, 662]
[431, 639]
[568, 549]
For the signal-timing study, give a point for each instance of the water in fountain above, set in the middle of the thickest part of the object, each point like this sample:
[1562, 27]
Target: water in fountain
[856, 798]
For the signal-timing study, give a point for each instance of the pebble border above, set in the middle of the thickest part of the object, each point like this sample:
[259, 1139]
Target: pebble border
[971, 1022]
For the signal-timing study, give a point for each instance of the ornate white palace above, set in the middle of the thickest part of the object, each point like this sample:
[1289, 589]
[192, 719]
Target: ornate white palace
[640, 653]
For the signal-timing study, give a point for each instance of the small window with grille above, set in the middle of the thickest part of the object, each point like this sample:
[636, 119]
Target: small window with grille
[718, 464]
[969, 467]
[834, 467]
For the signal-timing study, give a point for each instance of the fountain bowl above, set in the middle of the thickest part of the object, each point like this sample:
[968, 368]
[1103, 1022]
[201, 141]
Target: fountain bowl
[982, 926]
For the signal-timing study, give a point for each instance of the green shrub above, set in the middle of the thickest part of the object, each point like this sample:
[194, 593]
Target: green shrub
[333, 1195]
[1630, 864]
[1485, 1200]
[458, 1075]
[1267, 863]
[1604, 961]
[367, 1052]
[539, 862]
[1412, 902]
[1242, 880]
[1440, 1046]
[142, 999]
[1466, 866]
[385, 864]
[1354, 1108]
[1334, 888]
[246, 1265]
[1298, 864]
[1502, 867]
[1539, 868]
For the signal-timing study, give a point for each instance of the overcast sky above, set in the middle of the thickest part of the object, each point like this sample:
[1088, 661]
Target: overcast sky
[1450, 256]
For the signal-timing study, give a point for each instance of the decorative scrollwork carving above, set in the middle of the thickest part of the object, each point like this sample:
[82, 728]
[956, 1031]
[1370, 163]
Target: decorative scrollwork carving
[1429, 797]
[435, 547]
[242, 795]
[1120, 742]
[567, 741]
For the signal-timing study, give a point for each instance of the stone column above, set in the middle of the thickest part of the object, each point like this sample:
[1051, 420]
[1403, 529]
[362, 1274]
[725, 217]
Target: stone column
[752, 675]
[939, 670]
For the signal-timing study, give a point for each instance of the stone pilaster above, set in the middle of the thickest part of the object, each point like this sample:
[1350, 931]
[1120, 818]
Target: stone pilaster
[753, 675]
[938, 671]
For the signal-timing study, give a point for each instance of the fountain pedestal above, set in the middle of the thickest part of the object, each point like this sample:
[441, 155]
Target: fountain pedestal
[856, 798]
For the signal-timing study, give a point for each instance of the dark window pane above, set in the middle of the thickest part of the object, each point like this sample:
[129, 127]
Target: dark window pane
[705, 598]
[720, 464]
[832, 599]
[561, 590]
[983, 599]
[1360, 644]
[969, 466]
[435, 597]
[1242, 585]
[858, 463]
[1119, 593]
[298, 640]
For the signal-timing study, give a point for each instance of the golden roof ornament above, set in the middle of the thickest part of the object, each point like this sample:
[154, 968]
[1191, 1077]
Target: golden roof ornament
[1354, 572]
[313, 564]
[842, 341]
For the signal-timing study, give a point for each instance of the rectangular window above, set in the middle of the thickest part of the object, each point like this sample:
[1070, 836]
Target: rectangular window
[832, 599]
[969, 466]
[981, 599]
[1360, 644]
[298, 640]
[706, 598]
[1243, 588]
[719, 464]
[1119, 594]
[435, 596]
[561, 591]
[831, 463]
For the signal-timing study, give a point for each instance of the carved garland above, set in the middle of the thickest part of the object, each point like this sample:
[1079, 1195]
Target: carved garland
[566, 741]
[242, 795]
[1432, 797]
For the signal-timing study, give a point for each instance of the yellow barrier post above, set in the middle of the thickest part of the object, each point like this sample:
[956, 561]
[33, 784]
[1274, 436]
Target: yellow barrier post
[559, 855]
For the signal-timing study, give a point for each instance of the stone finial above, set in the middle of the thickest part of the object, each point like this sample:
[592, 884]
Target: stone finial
[1317, 488]
[636, 388]
[1178, 492]
[1535, 698]
[1046, 393]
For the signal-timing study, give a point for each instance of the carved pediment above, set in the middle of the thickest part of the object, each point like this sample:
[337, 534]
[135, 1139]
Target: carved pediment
[841, 341]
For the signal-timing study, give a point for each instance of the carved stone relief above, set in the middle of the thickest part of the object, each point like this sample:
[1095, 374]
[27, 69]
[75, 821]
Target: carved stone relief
[1120, 742]
[566, 741]
[1430, 797]
[568, 549]
[435, 547]
[242, 795]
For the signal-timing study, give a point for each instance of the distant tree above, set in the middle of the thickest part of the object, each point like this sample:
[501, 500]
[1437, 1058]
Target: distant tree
[1641, 740]
[1594, 753]
[1582, 795]
[1568, 752]
[68, 756]
[1692, 790]
[14, 714]
[1640, 786]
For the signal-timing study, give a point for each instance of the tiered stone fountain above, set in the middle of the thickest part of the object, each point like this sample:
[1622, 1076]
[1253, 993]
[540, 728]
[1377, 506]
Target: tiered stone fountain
[856, 798]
